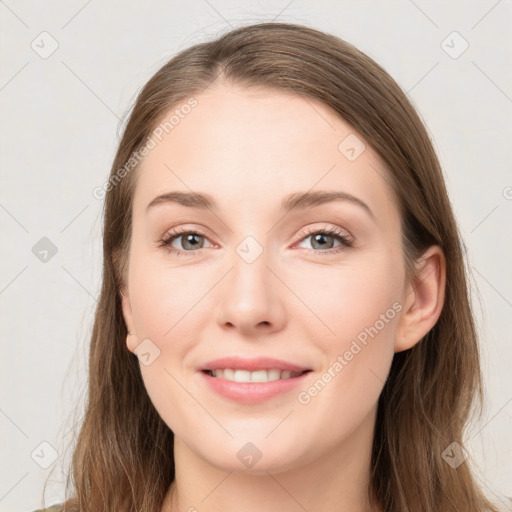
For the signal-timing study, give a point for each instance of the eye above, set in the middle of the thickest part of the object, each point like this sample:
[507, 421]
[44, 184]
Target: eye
[190, 238]
[319, 237]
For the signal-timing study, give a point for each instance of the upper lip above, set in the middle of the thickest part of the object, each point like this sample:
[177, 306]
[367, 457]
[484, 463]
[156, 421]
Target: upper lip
[252, 364]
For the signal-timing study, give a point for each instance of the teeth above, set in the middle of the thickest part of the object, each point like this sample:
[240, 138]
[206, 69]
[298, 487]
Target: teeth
[256, 376]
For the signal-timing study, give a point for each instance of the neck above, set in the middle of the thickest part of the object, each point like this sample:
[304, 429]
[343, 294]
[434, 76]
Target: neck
[336, 481]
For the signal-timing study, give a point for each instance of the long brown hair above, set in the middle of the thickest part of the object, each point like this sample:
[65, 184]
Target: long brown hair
[123, 460]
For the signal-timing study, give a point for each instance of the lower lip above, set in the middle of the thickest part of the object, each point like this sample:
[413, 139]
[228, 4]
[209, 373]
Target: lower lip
[252, 392]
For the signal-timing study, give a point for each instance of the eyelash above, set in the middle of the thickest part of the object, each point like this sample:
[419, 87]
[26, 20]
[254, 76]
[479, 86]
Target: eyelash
[346, 242]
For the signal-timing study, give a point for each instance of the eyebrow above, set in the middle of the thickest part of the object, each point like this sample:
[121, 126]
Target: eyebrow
[295, 201]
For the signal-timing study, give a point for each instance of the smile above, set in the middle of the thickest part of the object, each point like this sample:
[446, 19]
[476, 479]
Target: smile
[255, 376]
[251, 392]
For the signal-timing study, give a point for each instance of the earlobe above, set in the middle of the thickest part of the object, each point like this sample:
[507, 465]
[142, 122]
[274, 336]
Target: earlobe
[424, 299]
[128, 318]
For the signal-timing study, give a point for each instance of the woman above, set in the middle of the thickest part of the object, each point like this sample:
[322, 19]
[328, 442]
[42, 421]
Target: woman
[284, 321]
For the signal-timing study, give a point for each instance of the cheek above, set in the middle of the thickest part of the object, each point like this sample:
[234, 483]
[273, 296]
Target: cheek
[161, 295]
[164, 302]
[356, 362]
[359, 312]
[339, 302]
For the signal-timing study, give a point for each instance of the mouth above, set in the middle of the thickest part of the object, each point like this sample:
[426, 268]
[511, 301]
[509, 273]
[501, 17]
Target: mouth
[252, 381]
[239, 375]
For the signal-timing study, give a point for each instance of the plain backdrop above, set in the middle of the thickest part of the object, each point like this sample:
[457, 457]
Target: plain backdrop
[69, 73]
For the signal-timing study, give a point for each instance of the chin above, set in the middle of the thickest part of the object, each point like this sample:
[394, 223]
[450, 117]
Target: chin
[255, 457]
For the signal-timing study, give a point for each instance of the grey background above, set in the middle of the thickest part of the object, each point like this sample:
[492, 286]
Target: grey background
[61, 117]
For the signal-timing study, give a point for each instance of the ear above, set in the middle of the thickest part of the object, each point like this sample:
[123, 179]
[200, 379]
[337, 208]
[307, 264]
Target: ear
[131, 339]
[423, 299]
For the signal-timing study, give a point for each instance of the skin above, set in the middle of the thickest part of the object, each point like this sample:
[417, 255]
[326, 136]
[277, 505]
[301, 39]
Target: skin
[249, 148]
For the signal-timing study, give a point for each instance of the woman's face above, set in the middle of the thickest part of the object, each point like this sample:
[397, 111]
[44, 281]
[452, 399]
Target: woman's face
[259, 279]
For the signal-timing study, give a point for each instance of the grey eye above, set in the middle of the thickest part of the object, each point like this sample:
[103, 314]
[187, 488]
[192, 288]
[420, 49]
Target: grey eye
[191, 239]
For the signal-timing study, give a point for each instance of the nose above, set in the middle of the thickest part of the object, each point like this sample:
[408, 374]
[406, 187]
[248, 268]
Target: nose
[251, 296]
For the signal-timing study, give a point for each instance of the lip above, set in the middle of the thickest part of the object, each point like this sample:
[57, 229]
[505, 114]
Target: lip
[250, 393]
[252, 365]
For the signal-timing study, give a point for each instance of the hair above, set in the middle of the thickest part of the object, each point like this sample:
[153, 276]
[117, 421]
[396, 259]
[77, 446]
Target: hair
[123, 459]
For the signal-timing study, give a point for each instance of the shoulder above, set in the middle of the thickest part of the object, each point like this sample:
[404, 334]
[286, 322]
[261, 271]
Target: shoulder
[53, 508]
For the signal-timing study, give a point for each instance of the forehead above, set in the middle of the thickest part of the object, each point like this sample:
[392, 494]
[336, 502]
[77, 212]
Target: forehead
[251, 147]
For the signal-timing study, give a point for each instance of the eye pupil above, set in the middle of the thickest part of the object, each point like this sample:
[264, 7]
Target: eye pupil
[322, 236]
[189, 239]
